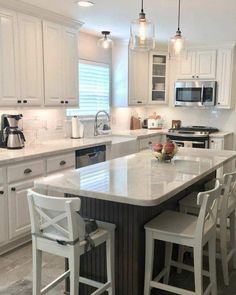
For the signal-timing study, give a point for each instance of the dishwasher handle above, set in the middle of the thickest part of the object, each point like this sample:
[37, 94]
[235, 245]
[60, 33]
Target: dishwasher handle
[92, 155]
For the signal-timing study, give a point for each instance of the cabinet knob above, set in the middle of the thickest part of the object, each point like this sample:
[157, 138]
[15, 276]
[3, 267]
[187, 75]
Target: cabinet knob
[62, 163]
[67, 101]
[218, 102]
[13, 189]
[18, 101]
[24, 101]
[27, 171]
[62, 101]
[197, 77]
[1, 192]
[193, 76]
[150, 142]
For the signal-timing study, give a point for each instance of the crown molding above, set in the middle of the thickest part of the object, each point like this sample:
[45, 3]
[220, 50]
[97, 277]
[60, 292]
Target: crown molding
[22, 7]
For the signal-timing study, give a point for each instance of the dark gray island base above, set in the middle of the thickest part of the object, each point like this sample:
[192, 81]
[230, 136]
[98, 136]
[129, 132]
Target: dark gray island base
[129, 241]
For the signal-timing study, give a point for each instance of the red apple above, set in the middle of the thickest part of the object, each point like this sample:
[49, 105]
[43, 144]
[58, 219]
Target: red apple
[157, 147]
[169, 147]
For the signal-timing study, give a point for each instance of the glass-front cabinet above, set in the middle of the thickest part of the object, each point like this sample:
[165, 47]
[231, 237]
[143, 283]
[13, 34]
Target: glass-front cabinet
[158, 78]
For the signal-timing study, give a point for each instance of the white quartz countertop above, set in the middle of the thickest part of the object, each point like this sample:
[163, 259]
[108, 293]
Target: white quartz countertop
[141, 133]
[138, 179]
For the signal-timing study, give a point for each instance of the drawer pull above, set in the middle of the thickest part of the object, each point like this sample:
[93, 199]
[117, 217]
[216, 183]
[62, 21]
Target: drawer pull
[13, 189]
[62, 163]
[27, 171]
[1, 192]
[139, 101]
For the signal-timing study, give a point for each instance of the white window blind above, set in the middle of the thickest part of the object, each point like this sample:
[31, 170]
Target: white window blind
[94, 89]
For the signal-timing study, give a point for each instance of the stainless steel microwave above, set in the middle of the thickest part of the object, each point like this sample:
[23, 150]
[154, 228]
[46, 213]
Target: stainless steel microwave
[195, 93]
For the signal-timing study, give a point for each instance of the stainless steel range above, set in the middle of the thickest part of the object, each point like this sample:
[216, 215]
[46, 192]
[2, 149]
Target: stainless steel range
[191, 136]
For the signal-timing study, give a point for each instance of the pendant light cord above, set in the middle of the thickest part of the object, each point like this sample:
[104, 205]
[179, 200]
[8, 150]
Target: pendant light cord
[142, 6]
[178, 17]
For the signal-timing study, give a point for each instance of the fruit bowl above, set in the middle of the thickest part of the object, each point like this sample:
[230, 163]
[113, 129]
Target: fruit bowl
[165, 152]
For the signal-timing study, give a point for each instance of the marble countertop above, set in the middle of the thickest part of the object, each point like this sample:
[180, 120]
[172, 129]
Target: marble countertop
[138, 179]
[141, 133]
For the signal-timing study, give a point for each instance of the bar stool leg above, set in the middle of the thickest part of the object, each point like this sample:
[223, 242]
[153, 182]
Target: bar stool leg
[110, 263]
[223, 251]
[37, 269]
[74, 265]
[197, 256]
[168, 256]
[180, 257]
[149, 256]
[212, 264]
[233, 237]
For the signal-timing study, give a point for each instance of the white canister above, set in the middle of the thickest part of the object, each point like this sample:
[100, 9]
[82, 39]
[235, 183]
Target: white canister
[77, 128]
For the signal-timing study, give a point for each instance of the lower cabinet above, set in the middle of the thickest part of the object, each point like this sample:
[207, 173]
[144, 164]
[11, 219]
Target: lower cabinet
[3, 216]
[18, 211]
[144, 143]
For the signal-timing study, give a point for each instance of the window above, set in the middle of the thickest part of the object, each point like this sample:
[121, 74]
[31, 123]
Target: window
[94, 89]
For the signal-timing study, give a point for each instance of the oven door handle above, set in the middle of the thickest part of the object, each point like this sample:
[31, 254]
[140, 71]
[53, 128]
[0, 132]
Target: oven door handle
[202, 93]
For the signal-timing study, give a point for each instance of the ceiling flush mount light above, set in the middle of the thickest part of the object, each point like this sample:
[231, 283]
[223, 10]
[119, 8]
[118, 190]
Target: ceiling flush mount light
[105, 42]
[84, 3]
[177, 43]
[142, 33]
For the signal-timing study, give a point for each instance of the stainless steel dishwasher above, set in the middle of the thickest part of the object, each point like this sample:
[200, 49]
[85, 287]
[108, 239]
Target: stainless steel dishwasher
[90, 156]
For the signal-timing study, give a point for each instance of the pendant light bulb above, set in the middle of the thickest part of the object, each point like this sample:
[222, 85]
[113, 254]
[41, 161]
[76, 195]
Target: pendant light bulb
[177, 43]
[105, 42]
[142, 33]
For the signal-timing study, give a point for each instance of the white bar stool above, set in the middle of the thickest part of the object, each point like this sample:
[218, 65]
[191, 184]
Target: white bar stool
[184, 229]
[57, 228]
[227, 211]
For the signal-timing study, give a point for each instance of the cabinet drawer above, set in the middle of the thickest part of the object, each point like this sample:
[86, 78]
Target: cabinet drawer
[25, 171]
[60, 162]
[145, 142]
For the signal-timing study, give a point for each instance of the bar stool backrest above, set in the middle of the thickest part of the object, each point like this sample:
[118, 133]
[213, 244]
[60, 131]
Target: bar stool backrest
[55, 218]
[229, 180]
[207, 217]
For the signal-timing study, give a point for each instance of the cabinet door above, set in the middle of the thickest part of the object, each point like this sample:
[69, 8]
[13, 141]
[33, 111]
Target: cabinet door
[138, 77]
[3, 217]
[31, 56]
[9, 59]
[217, 143]
[158, 66]
[224, 78]
[52, 39]
[19, 219]
[206, 64]
[70, 66]
[187, 66]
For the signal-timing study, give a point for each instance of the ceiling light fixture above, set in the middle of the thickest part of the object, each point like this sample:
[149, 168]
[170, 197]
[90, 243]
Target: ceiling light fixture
[84, 3]
[177, 43]
[105, 42]
[142, 35]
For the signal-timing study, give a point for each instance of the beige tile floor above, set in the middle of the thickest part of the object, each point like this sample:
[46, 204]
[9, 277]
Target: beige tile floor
[16, 271]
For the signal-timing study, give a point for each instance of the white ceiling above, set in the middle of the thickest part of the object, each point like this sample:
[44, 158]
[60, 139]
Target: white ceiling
[203, 21]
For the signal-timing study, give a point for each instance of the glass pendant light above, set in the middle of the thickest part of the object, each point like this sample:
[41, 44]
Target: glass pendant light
[177, 43]
[142, 33]
[105, 42]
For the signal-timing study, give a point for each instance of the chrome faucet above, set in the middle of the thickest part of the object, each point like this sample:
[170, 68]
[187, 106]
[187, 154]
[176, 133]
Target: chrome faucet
[96, 125]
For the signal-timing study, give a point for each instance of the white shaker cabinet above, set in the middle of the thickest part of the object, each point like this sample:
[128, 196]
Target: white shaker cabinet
[9, 59]
[225, 74]
[3, 216]
[198, 64]
[19, 219]
[138, 78]
[60, 64]
[31, 57]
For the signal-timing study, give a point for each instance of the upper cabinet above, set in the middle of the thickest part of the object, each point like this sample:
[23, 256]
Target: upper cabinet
[9, 59]
[158, 77]
[226, 89]
[38, 60]
[199, 64]
[60, 64]
[138, 77]
[31, 57]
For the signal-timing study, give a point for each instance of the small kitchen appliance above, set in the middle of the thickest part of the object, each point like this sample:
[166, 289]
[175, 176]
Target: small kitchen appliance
[11, 136]
[195, 93]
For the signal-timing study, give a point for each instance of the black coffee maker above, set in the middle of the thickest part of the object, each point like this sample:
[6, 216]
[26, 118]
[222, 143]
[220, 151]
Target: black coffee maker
[11, 136]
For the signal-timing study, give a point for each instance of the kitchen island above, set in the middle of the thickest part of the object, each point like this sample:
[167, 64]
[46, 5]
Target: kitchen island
[128, 192]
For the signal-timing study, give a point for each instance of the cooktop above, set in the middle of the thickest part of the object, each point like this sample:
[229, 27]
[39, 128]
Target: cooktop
[193, 129]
